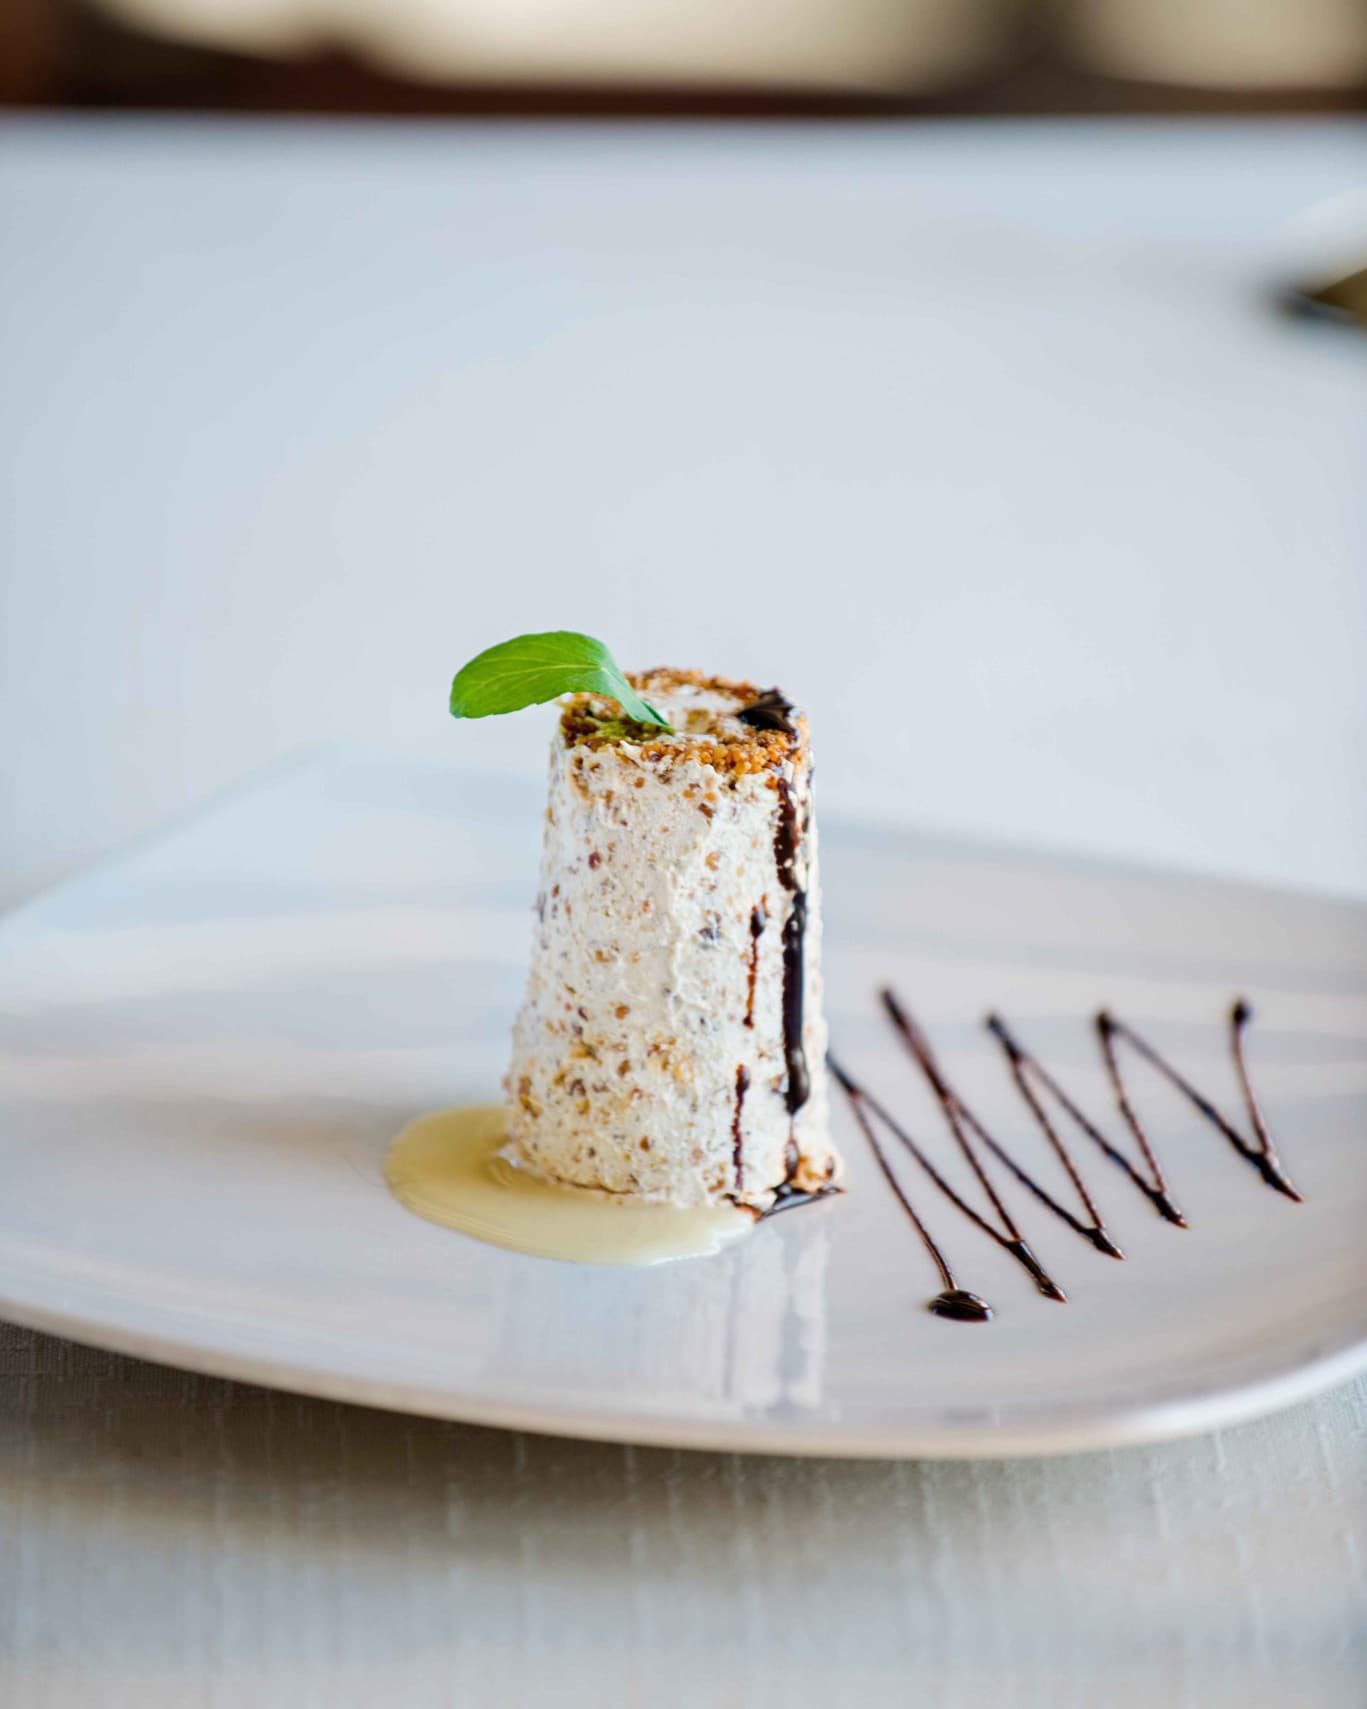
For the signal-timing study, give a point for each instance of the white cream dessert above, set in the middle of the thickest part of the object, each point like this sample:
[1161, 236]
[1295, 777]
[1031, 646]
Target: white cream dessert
[671, 1043]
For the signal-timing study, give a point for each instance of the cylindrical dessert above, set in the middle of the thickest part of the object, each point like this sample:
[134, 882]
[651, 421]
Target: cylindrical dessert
[671, 1042]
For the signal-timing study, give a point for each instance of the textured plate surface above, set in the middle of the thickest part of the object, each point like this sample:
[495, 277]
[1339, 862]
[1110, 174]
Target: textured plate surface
[206, 1047]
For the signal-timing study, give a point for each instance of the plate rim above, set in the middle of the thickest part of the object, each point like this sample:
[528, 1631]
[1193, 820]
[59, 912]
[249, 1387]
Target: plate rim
[1048, 1431]
[1093, 1430]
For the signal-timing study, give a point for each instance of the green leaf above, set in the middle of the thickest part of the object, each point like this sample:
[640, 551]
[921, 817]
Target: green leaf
[531, 669]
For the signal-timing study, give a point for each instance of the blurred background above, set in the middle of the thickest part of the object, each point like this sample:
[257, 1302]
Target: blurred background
[760, 56]
[983, 370]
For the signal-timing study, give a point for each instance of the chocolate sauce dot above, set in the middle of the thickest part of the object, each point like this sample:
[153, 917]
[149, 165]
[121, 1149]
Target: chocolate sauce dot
[959, 1304]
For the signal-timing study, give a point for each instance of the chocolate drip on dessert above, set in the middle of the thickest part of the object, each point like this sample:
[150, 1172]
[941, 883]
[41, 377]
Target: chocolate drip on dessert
[742, 1087]
[787, 843]
[772, 711]
[758, 921]
[788, 1195]
[790, 1198]
[953, 1301]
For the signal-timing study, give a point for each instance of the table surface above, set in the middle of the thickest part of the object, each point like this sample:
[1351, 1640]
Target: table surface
[173, 1541]
[274, 401]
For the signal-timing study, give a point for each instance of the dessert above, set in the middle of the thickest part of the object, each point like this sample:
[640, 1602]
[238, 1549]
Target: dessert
[668, 1077]
[667, 1084]
[671, 1044]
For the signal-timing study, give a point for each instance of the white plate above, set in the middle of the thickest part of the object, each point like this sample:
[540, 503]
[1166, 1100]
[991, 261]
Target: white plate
[205, 1049]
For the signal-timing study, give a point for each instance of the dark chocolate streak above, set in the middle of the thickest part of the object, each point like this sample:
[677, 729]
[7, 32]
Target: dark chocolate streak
[962, 1122]
[787, 843]
[1024, 1066]
[953, 1301]
[1008, 1237]
[1028, 1073]
[758, 921]
[742, 1087]
[788, 1198]
[772, 711]
[1262, 1154]
[788, 1195]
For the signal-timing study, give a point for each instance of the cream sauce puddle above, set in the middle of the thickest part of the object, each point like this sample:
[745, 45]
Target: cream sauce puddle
[446, 1167]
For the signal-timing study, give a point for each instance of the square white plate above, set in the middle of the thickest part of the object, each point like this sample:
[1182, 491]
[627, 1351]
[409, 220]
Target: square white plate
[206, 1047]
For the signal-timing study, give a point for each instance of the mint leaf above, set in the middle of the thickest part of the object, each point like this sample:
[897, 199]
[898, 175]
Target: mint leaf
[533, 668]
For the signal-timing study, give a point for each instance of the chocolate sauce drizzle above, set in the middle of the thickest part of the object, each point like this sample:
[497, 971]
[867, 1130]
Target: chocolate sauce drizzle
[737, 1148]
[758, 921]
[962, 1122]
[1008, 1237]
[954, 1301]
[787, 843]
[1031, 1078]
[790, 1198]
[1025, 1067]
[1262, 1154]
[772, 711]
[787, 1195]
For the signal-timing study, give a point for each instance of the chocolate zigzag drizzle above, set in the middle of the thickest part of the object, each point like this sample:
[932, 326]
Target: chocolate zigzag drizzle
[954, 1301]
[1025, 1067]
[1031, 1079]
[1262, 1154]
[1008, 1237]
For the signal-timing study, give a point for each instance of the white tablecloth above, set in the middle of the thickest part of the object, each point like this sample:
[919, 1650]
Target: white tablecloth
[171, 1542]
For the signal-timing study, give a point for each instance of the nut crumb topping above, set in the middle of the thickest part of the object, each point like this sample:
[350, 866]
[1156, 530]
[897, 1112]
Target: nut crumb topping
[705, 712]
